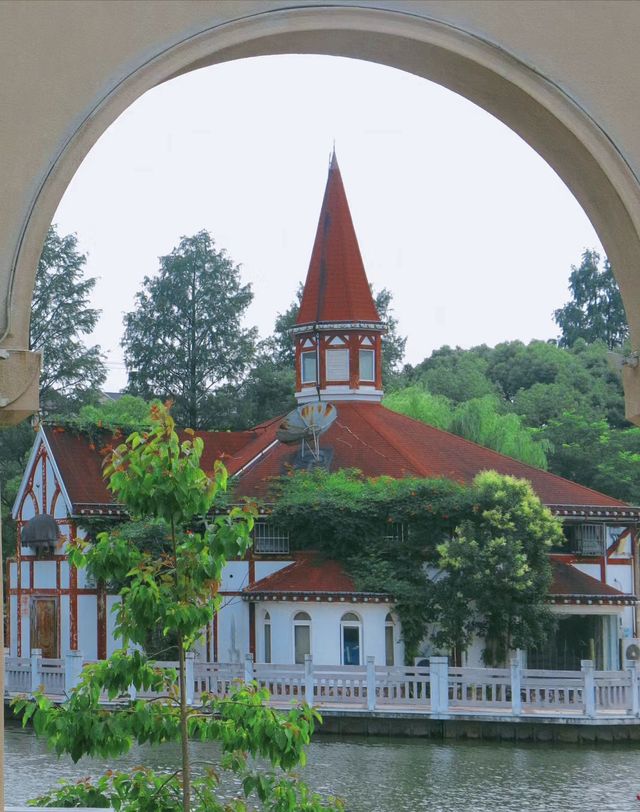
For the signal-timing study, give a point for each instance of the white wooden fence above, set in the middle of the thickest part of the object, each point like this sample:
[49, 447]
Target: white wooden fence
[435, 689]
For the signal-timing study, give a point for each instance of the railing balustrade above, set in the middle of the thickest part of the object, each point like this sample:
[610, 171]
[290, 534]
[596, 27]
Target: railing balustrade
[437, 689]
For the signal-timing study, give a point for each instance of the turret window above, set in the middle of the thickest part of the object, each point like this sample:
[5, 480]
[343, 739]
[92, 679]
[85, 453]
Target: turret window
[367, 365]
[337, 365]
[308, 367]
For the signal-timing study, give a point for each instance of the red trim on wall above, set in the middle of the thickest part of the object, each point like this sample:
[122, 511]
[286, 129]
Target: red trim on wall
[73, 608]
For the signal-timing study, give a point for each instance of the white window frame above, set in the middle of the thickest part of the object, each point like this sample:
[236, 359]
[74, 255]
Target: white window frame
[389, 624]
[312, 353]
[351, 624]
[266, 624]
[373, 365]
[297, 623]
[344, 353]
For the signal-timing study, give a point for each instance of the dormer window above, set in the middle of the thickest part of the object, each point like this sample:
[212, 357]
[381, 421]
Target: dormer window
[268, 538]
[308, 367]
[586, 539]
[367, 365]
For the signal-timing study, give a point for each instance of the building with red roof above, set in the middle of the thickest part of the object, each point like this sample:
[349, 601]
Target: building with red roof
[280, 605]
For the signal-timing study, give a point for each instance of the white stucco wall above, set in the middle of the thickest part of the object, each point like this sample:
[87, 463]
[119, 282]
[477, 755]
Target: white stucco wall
[233, 630]
[44, 574]
[88, 626]
[235, 576]
[266, 568]
[326, 640]
[13, 625]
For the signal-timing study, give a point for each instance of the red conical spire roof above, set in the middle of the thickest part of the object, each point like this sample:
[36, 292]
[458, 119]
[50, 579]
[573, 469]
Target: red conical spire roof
[336, 289]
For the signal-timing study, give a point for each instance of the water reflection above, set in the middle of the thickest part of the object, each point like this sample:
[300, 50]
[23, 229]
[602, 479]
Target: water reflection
[384, 775]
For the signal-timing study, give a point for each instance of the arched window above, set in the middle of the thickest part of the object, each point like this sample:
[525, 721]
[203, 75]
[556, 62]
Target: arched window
[301, 636]
[388, 640]
[350, 634]
[267, 637]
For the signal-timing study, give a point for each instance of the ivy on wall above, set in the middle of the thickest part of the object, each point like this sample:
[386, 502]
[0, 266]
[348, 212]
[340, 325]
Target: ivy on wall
[460, 560]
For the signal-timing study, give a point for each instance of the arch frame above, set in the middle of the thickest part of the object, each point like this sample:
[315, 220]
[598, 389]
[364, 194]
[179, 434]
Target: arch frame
[534, 105]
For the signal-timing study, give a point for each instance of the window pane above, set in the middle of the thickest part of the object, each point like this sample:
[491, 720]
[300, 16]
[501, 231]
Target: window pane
[308, 367]
[351, 645]
[267, 642]
[337, 365]
[367, 372]
[388, 645]
[302, 639]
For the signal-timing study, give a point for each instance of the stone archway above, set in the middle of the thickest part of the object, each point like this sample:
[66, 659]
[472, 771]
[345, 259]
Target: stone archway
[546, 116]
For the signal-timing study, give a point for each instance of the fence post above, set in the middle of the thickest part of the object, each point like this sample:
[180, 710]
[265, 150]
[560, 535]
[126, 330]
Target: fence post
[371, 683]
[189, 679]
[632, 668]
[308, 679]
[36, 680]
[589, 690]
[516, 684]
[439, 679]
[72, 670]
[248, 668]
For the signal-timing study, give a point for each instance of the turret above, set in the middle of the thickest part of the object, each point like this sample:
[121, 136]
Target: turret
[338, 332]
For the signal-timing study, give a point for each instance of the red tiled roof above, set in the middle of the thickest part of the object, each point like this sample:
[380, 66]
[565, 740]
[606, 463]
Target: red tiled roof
[568, 581]
[308, 574]
[366, 436]
[80, 462]
[336, 288]
[379, 442]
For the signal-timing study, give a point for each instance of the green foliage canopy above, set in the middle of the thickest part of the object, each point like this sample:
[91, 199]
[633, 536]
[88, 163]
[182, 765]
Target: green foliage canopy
[185, 338]
[474, 560]
[479, 419]
[595, 311]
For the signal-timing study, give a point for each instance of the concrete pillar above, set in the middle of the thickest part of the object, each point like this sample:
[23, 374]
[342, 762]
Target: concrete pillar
[371, 683]
[248, 668]
[632, 670]
[36, 680]
[589, 689]
[189, 678]
[439, 678]
[308, 679]
[516, 684]
[72, 670]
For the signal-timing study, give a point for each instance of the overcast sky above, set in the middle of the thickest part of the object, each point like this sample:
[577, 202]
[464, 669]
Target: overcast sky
[469, 228]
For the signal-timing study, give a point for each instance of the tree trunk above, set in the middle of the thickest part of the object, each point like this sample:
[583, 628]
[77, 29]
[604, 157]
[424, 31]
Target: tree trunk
[184, 733]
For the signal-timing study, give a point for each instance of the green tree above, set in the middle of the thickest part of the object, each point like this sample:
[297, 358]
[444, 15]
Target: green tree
[473, 560]
[60, 317]
[455, 373]
[160, 480]
[185, 338]
[595, 311]
[479, 419]
[266, 392]
[495, 572]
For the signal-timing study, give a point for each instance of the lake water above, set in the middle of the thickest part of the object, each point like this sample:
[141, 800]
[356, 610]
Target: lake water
[384, 775]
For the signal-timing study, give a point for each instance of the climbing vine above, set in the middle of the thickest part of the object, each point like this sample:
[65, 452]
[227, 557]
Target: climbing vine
[459, 560]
